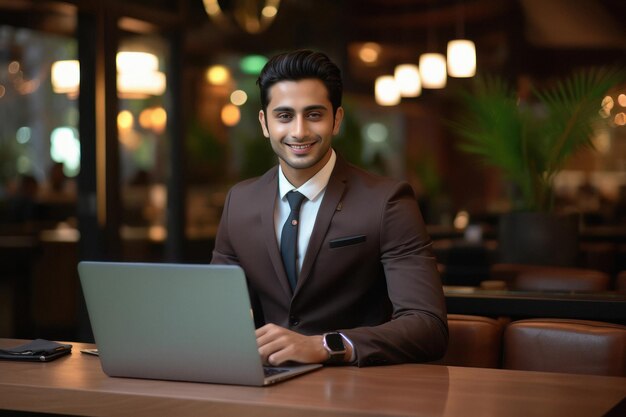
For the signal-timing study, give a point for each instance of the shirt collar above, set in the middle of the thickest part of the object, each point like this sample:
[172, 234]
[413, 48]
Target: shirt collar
[314, 186]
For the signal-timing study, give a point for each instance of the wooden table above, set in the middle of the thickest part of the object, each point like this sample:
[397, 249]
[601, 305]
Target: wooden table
[76, 385]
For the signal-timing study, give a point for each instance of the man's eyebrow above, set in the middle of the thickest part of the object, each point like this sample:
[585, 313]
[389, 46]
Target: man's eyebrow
[283, 108]
[307, 108]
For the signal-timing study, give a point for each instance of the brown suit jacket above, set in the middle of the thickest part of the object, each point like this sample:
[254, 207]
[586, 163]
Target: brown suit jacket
[369, 270]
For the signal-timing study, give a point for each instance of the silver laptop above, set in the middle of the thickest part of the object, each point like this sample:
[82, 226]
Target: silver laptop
[176, 322]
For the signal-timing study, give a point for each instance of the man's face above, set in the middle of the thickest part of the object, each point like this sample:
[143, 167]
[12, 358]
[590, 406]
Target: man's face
[300, 125]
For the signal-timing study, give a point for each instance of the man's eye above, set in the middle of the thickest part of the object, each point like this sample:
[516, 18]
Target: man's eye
[283, 116]
[314, 115]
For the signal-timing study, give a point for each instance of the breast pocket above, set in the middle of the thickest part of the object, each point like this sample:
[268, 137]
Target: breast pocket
[346, 241]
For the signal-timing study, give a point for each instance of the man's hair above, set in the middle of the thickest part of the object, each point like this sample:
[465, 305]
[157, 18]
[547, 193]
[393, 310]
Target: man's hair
[299, 65]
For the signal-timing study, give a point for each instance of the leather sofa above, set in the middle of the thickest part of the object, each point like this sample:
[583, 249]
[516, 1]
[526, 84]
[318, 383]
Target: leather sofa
[565, 345]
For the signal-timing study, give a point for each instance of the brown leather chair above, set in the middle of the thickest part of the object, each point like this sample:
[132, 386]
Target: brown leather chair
[564, 345]
[474, 341]
[550, 278]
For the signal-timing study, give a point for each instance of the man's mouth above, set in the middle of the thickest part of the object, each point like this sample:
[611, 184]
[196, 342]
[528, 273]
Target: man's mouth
[300, 147]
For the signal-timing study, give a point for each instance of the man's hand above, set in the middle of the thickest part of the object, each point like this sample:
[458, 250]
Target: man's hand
[278, 345]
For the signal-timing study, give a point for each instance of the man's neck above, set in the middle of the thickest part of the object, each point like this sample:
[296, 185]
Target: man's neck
[297, 177]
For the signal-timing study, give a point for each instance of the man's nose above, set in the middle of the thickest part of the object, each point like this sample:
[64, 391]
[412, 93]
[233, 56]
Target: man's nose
[299, 128]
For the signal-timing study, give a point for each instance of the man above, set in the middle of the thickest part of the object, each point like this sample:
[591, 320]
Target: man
[366, 289]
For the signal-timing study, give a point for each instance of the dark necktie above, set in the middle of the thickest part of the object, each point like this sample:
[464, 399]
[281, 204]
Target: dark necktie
[289, 237]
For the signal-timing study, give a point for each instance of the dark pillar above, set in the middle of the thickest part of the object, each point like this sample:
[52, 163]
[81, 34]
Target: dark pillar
[176, 196]
[98, 183]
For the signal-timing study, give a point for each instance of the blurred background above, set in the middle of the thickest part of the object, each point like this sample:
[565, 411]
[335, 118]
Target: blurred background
[124, 123]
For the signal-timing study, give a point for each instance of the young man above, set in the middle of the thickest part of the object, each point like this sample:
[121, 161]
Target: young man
[363, 288]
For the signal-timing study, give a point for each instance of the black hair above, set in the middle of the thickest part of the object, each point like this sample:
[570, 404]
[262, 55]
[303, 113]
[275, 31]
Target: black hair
[299, 65]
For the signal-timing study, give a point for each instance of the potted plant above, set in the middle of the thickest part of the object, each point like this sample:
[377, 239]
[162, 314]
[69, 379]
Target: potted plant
[530, 144]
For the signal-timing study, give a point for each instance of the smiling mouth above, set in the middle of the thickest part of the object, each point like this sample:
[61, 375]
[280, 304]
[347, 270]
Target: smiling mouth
[299, 147]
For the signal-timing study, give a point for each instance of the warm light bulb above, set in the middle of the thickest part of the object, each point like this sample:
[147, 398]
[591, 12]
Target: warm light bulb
[269, 11]
[218, 75]
[238, 97]
[607, 103]
[140, 85]
[138, 75]
[65, 77]
[461, 58]
[386, 91]
[230, 115]
[158, 118]
[369, 52]
[407, 77]
[145, 118]
[125, 120]
[136, 62]
[433, 70]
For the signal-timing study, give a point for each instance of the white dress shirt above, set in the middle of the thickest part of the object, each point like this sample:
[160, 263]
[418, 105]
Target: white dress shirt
[313, 190]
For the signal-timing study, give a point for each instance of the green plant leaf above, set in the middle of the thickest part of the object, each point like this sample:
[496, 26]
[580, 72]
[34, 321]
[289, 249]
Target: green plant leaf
[531, 142]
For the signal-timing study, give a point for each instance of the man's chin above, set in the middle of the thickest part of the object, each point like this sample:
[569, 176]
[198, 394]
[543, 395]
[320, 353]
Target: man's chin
[301, 163]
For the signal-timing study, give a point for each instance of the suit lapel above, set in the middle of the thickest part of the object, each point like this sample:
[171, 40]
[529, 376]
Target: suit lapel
[332, 197]
[268, 193]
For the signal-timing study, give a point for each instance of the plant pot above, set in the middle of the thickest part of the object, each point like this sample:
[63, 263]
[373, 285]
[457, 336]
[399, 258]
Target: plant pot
[538, 238]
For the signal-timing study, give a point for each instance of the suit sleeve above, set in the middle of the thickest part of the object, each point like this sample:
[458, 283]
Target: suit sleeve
[417, 331]
[223, 252]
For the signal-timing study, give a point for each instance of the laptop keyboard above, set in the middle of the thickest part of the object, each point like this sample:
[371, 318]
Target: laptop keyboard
[269, 371]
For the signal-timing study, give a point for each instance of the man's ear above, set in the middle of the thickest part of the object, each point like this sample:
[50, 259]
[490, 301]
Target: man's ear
[338, 120]
[263, 123]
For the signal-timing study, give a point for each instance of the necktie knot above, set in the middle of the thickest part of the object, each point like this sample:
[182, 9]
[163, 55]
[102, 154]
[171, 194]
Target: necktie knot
[295, 200]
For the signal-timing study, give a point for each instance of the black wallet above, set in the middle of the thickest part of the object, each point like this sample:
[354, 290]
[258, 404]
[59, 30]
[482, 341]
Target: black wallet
[39, 350]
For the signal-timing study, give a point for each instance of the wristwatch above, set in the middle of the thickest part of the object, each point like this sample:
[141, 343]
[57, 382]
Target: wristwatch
[333, 343]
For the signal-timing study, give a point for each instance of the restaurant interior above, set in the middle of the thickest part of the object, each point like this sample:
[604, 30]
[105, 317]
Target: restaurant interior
[123, 123]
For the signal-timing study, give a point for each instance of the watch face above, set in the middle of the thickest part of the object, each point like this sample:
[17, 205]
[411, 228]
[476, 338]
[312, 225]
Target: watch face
[335, 342]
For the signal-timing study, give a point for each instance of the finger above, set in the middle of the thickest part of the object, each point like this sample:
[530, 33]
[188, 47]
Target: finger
[267, 335]
[267, 329]
[262, 330]
[274, 353]
[274, 359]
[270, 344]
[281, 356]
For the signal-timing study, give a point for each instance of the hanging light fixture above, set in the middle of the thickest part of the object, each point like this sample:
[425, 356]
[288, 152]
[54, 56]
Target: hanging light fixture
[407, 78]
[65, 77]
[433, 70]
[432, 65]
[386, 91]
[138, 75]
[253, 16]
[461, 52]
[461, 58]
[369, 53]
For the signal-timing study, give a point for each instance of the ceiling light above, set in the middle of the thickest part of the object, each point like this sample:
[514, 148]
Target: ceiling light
[433, 70]
[386, 91]
[369, 52]
[65, 77]
[218, 75]
[407, 78]
[461, 58]
[138, 75]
